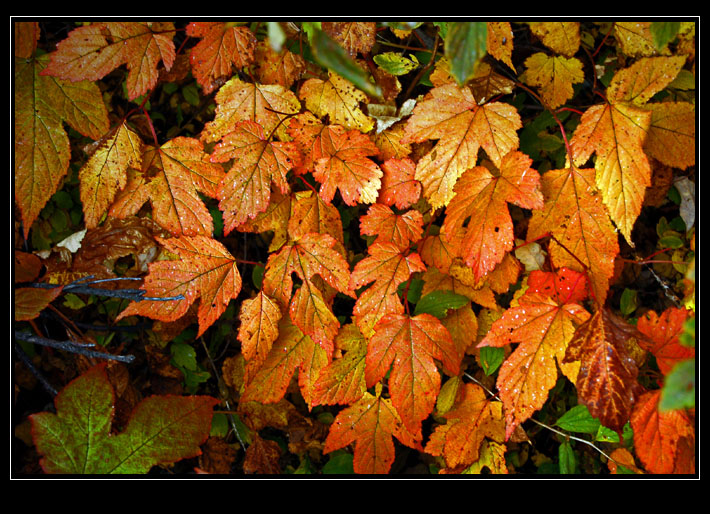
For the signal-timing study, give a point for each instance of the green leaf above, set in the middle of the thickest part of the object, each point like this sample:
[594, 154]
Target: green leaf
[578, 419]
[331, 55]
[628, 301]
[465, 44]
[396, 64]
[567, 459]
[491, 358]
[78, 440]
[663, 32]
[438, 303]
[607, 435]
[340, 463]
[679, 387]
[184, 356]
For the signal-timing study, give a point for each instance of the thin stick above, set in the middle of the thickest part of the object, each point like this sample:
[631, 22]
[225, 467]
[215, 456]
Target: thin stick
[71, 346]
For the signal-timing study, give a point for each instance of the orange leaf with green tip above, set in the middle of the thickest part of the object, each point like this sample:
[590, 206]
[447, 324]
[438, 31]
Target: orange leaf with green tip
[41, 105]
[78, 439]
[543, 323]
[203, 269]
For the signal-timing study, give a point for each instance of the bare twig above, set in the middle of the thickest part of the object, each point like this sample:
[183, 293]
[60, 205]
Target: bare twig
[72, 346]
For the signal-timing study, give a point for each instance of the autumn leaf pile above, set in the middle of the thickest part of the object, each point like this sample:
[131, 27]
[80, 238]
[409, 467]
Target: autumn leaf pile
[439, 247]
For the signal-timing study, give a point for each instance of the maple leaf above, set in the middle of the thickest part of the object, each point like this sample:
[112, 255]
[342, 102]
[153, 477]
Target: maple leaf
[400, 229]
[499, 41]
[399, 187]
[575, 216]
[311, 214]
[450, 114]
[370, 423]
[93, 51]
[409, 345]
[387, 266]
[221, 46]
[482, 196]
[554, 76]
[246, 189]
[259, 328]
[307, 256]
[181, 168]
[282, 67]
[664, 441]
[354, 37]
[337, 98]
[292, 350]
[543, 322]
[663, 332]
[671, 134]
[349, 169]
[473, 418]
[343, 380]
[78, 439]
[204, 269]
[561, 37]
[105, 172]
[266, 104]
[606, 382]
[41, 146]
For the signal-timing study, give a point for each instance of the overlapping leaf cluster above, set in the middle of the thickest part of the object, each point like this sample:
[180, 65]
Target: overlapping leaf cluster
[394, 275]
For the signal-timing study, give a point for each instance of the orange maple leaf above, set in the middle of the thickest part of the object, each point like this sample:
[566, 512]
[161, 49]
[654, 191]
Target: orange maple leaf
[221, 46]
[543, 322]
[481, 196]
[575, 215]
[292, 350]
[258, 329]
[399, 187]
[663, 332]
[664, 441]
[387, 266]
[472, 418]
[387, 226]
[337, 98]
[93, 51]
[450, 114]
[554, 76]
[266, 104]
[179, 168]
[257, 163]
[203, 269]
[370, 423]
[606, 383]
[349, 169]
[310, 255]
[409, 346]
